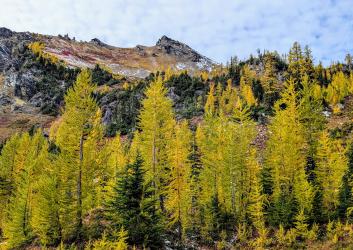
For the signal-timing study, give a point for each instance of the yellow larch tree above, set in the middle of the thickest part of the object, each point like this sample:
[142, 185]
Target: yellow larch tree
[331, 166]
[78, 136]
[286, 158]
[28, 162]
[178, 201]
[156, 121]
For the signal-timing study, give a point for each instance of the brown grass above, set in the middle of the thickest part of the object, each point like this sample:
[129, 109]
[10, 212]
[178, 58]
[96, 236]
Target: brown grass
[16, 122]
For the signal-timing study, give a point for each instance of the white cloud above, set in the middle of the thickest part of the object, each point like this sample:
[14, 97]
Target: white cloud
[216, 28]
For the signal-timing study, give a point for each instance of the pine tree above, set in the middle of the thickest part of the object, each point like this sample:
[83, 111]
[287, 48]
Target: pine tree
[178, 201]
[295, 60]
[307, 65]
[132, 206]
[156, 124]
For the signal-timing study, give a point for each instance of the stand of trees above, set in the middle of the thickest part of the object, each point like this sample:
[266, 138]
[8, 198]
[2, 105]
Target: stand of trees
[208, 183]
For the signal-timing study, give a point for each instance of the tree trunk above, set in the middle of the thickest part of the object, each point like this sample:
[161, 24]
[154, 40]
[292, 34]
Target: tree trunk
[79, 193]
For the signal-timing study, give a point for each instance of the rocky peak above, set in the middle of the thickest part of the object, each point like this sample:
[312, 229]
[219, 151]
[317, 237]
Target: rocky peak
[164, 40]
[170, 46]
[98, 42]
[5, 32]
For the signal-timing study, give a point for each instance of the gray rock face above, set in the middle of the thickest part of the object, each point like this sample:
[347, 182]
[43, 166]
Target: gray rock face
[98, 42]
[5, 100]
[5, 32]
[10, 44]
[170, 46]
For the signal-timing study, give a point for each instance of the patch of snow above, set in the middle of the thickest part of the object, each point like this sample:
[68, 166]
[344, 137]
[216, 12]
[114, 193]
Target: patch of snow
[204, 64]
[180, 66]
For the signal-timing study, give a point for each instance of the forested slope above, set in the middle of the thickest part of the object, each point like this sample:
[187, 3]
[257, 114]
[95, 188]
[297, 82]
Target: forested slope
[254, 154]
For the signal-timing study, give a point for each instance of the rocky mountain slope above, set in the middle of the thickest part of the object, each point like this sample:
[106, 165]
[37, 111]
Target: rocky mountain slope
[139, 61]
[32, 89]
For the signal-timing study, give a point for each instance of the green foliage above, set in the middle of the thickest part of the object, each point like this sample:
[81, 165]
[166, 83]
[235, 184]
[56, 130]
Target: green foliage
[133, 207]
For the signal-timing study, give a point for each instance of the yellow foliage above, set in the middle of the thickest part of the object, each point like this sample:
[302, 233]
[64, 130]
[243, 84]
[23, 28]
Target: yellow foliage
[38, 49]
[179, 201]
[331, 166]
[245, 86]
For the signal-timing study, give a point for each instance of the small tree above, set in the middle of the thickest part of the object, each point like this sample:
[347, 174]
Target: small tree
[133, 207]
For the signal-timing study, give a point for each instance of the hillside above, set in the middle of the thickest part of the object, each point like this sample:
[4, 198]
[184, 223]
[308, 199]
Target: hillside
[32, 90]
[160, 148]
[138, 62]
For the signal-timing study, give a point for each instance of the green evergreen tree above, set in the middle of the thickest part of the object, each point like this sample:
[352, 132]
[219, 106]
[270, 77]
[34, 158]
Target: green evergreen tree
[133, 206]
[346, 195]
[295, 60]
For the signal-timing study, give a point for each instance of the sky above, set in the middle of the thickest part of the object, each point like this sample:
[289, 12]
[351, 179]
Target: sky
[217, 29]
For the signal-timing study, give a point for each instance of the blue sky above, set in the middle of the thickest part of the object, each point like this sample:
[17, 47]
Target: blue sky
[218, 29]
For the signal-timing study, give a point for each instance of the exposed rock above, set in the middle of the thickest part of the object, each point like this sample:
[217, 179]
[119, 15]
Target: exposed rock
[98, 42]
[170, 46]
[5, 100]
[108, 113]
[5, 32]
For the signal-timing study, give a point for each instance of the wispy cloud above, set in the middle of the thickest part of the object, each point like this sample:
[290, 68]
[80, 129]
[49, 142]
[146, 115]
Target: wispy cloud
[216, 28]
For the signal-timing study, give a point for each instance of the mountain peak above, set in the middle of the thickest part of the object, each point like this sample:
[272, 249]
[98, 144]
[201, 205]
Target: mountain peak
[98, 42]
[5, 32]
[165, 40]
[179, 49]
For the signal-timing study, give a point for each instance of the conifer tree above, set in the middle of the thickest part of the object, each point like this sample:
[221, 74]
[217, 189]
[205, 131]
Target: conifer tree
[269, 79]
[29, 160]
[256, 200]
[116, 159]
[285, 157]
[78, 135]
[7, 174]
[178, 193]
[295, 60]
[228, 100]
[307, 65]
[246, 82]
[331, 167]
[46, 213]
[337, 90]
[156, 124]
[224, 140]
[345, 196]
[133, 206]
